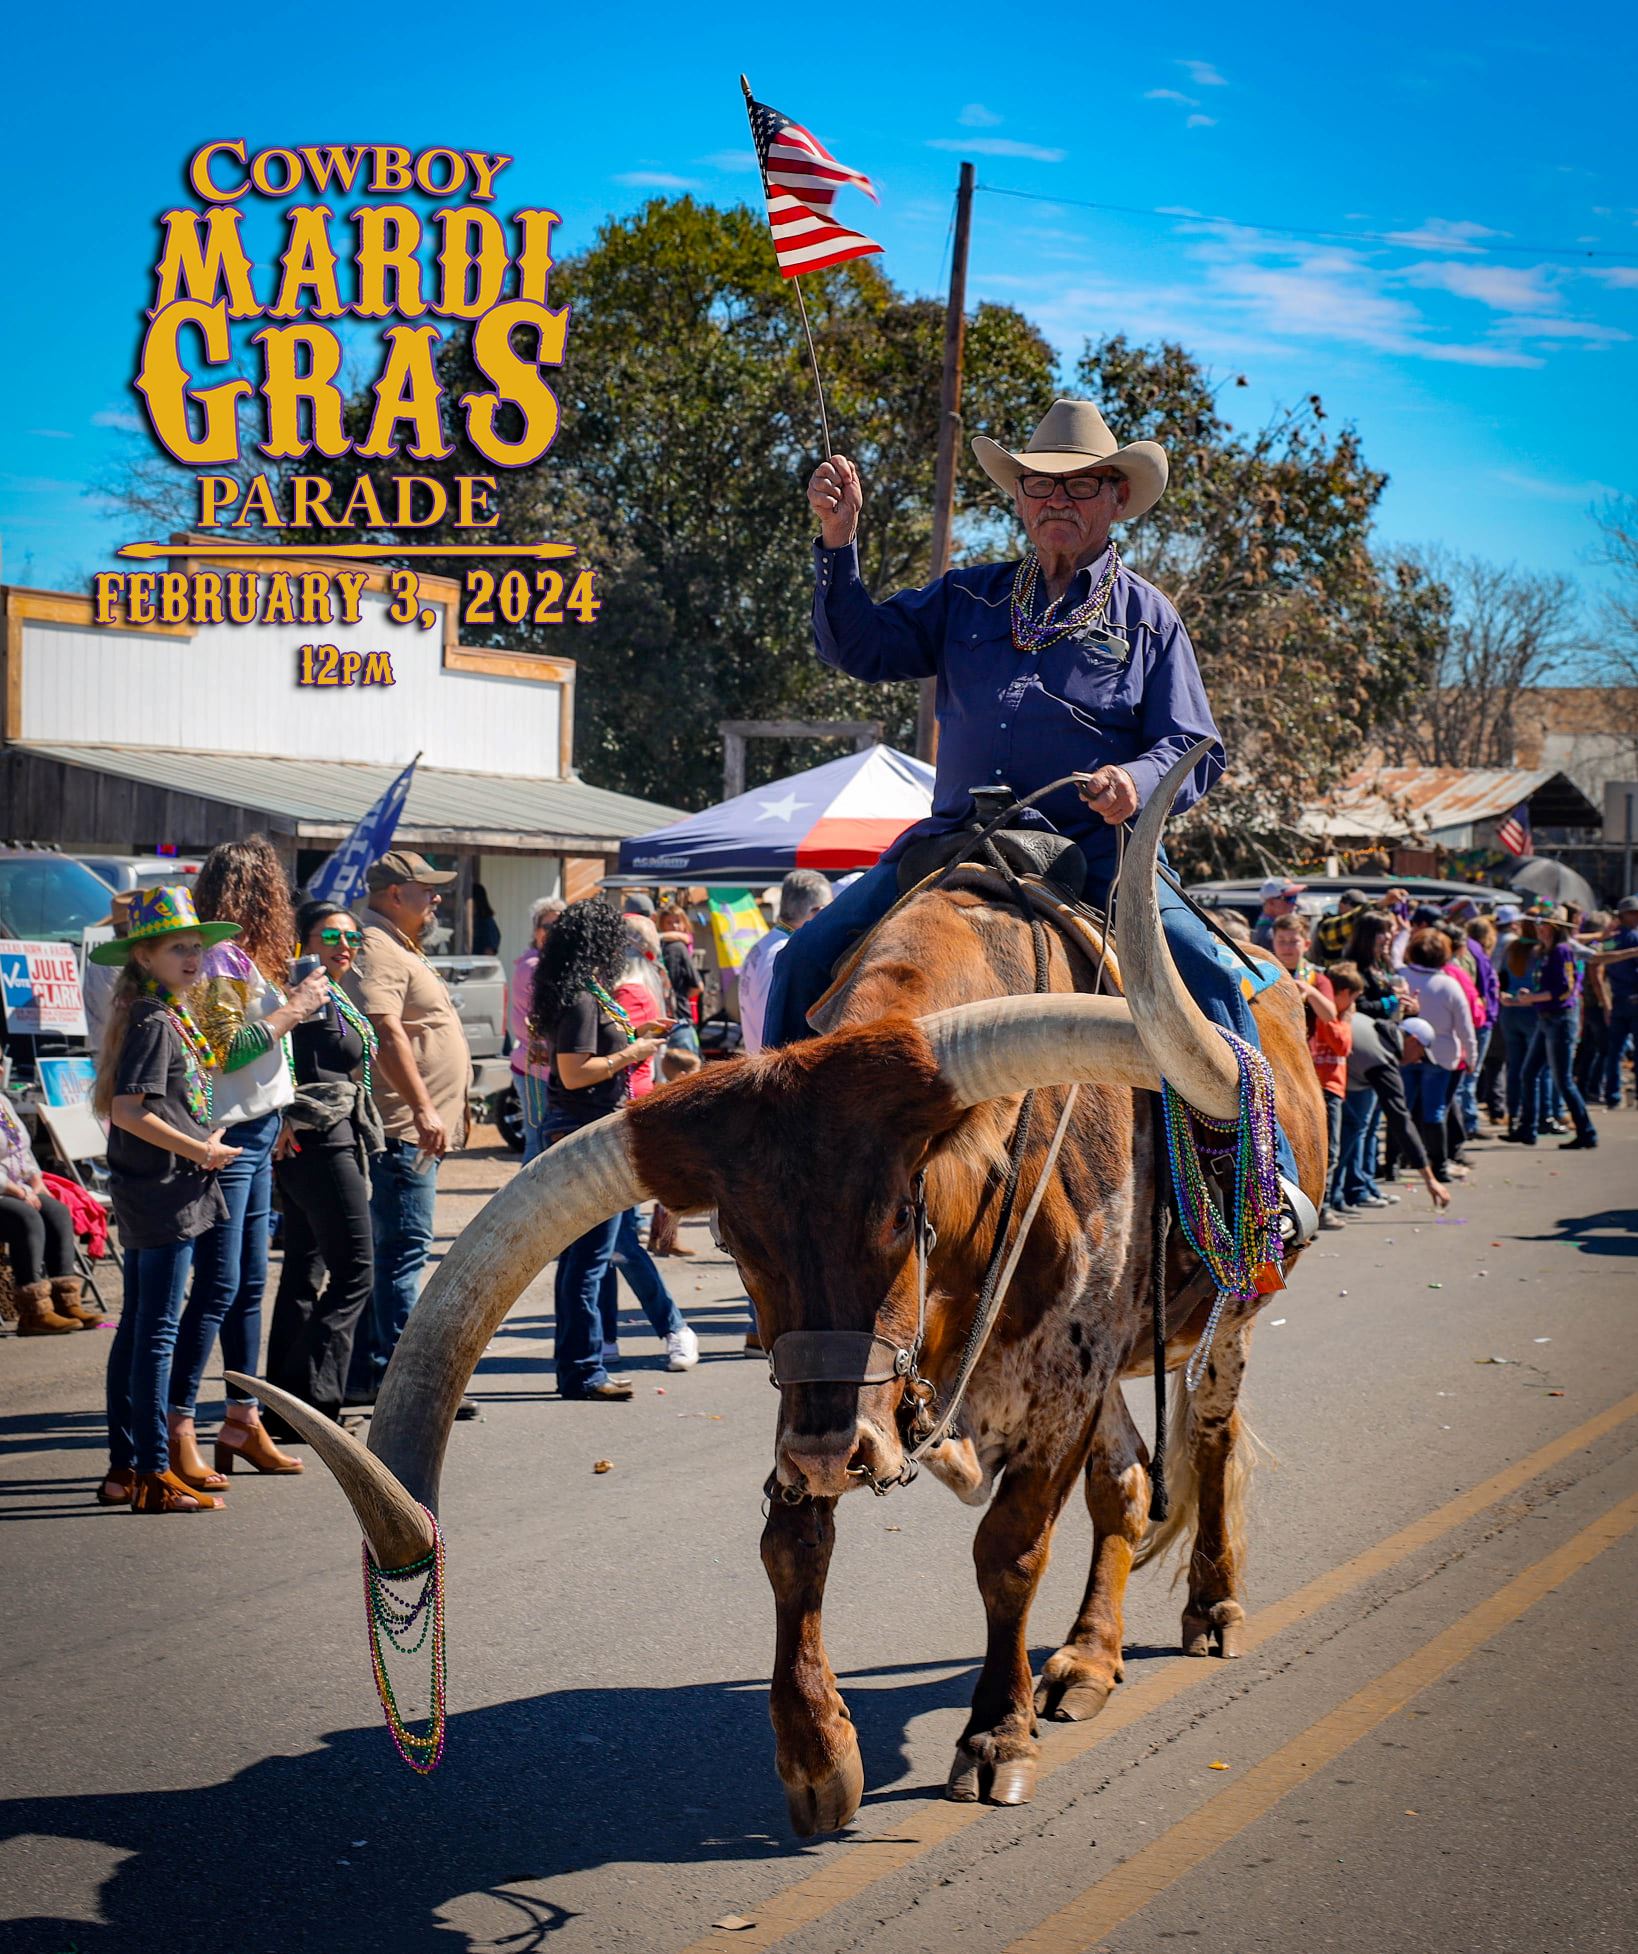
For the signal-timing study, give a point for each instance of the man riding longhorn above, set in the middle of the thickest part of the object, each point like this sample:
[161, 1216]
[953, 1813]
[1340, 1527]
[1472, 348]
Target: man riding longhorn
[1066, 662]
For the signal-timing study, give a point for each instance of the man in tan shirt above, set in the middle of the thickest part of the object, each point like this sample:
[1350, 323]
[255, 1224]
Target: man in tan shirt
[420, 1075]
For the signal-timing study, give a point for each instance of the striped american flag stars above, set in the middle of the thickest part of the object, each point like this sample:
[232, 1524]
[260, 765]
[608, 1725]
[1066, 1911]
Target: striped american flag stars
[801, 179]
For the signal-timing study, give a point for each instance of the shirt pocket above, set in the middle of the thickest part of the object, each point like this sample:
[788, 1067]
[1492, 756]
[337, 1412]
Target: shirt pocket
[1101, 673]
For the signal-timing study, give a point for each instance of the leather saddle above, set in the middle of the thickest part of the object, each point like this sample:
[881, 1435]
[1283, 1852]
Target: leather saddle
[1026, 851]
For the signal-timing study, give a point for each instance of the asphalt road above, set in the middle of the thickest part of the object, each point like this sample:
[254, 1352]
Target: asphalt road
[1429, 1743]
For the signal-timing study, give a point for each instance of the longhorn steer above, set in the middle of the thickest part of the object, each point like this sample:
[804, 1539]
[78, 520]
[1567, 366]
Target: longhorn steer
[809, 1155]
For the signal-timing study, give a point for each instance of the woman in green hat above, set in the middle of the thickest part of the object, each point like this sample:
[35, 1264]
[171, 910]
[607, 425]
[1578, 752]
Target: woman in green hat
[153, 1085]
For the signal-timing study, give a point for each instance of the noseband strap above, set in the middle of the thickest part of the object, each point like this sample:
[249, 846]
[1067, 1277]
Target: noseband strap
[837, 1357]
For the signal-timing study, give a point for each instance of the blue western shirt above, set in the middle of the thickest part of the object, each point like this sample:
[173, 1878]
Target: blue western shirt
[1124, 692]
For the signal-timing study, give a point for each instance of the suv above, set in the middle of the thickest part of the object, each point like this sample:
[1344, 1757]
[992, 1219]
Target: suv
[127, 872]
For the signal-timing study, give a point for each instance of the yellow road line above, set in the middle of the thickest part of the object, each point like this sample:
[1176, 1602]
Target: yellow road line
[1137, 1881]
[874, 1856]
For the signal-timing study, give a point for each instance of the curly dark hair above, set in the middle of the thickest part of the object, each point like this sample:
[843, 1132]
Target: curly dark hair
[244, 882]
[587, 944]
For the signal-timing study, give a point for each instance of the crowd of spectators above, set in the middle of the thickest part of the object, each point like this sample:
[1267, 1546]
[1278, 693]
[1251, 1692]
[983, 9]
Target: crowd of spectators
[1425, 1023]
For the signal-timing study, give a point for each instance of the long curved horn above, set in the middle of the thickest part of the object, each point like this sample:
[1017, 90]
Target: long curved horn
[1008, 1044]
[1178, 1036]
[581, 1181]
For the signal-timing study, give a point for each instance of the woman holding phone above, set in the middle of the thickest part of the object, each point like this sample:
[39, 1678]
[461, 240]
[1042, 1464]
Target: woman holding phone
[595, 1046]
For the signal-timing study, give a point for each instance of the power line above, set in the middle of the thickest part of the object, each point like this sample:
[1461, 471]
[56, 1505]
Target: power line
[1411, 240]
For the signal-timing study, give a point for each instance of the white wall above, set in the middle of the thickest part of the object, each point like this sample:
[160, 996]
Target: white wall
[232, 689]
[514, 882]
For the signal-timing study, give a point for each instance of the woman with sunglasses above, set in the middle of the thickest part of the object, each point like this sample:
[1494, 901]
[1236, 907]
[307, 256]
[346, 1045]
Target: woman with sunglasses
[322, 1166]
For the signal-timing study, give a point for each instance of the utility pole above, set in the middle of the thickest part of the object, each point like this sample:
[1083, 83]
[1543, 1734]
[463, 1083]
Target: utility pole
[949, 430]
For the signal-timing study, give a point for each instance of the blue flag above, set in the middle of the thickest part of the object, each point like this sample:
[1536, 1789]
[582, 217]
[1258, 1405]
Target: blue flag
[340, 879]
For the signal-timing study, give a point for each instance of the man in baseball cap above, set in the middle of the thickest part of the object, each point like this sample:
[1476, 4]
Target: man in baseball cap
[402, 865]
[1279, 894]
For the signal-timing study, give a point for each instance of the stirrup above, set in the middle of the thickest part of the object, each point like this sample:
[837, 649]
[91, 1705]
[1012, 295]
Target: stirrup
[1299, 1219]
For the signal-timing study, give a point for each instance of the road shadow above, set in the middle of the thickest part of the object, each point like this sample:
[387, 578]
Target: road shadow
[344, 1848]
[1609, 1231]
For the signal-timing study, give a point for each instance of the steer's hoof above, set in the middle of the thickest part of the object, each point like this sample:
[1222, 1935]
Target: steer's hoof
[828, 1802]
[1221, 1626]
[1071, 1697]
[1011, 1782]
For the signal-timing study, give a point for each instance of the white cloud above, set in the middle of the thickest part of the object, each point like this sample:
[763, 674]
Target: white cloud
[729, 159]
[1201, 122]
[1441, 234]
[120, 417]
[1621, 278]
[1202, 74]
[657, 180]
[998, 146]
[1505, 288]
[1586, 330]
[1555, 491]
[1169, 95]
[976, 116]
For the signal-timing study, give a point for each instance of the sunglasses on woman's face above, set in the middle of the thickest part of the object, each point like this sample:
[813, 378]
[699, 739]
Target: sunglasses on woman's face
[352, 938]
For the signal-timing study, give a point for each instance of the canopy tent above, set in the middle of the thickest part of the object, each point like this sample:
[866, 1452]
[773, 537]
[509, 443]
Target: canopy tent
[836, 817]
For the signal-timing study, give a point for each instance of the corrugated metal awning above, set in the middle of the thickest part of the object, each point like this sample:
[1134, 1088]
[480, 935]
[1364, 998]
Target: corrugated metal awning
[321, 800]
[1385, 801]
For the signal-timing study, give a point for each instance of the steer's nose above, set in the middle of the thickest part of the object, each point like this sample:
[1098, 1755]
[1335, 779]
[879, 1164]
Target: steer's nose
[827, 1464]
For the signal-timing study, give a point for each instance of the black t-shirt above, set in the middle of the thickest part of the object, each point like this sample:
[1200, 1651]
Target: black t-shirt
[322, 1052]
[679, 967]
[584, 1028]
[158, 1196]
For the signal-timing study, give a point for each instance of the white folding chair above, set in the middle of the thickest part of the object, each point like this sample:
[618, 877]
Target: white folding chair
[78, 1137]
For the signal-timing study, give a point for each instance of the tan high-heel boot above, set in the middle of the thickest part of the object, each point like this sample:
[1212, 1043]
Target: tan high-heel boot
[36, 1317]
[187, 1461]
[243, 1437]
[68, 1299]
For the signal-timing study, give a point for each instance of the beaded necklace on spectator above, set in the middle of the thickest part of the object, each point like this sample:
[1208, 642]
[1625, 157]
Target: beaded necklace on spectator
[618, 1012]
[1030, 633]
[199, 1055]
[361, 1024]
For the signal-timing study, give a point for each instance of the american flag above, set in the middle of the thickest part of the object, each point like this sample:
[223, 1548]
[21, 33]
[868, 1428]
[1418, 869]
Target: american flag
[1514, 832]
[801, 179]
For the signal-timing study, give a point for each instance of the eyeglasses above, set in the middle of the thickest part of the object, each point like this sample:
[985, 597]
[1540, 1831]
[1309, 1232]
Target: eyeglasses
[352, 938]
[1079, 488]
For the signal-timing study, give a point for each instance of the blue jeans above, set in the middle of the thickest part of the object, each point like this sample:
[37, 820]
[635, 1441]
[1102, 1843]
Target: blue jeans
[1358, 1161]
[1551, 1051]
[139, 1359]
[639, 1268]
[1467, 1086]
[532, 1105]
[1623, 1031]
[402, 1206]
[230, 1271]
[1427, 1091]
[1518, 1027]
[802, 971]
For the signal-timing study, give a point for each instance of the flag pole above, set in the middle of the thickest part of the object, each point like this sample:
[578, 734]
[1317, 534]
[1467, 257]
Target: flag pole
[801, 303]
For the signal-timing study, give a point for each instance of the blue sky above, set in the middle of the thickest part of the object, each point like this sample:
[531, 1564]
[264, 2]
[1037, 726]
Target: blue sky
[1474, 308]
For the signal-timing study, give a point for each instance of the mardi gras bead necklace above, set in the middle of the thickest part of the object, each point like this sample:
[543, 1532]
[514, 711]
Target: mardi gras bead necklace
[361, 1024]
[199, 1055]
[1031, 633]
[618, 1012]
[1237, 1245]
[391, 1620]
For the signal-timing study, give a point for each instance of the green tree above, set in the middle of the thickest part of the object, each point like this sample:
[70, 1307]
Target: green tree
[1310, 642]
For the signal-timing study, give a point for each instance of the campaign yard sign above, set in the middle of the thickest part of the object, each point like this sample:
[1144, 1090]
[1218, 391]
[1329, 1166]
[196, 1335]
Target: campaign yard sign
[40, 988]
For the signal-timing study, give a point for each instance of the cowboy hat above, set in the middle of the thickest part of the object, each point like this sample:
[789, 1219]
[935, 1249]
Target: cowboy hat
[161, 912]
[1073, 435]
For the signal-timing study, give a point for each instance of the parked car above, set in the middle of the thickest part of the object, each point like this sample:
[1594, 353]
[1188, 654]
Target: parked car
[477, 989]
[1322, 894]
[126, 872]
[47, 897]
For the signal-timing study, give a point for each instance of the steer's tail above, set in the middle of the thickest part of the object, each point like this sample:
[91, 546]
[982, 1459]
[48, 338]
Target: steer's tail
[1208, 1462]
